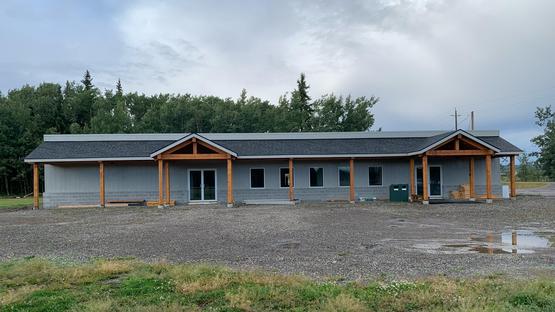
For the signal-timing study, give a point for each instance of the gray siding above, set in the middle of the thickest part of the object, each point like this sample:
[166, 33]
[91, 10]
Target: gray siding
[79, 184]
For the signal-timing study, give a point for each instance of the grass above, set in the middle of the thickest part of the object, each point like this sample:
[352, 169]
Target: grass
[11, 202]
[34, 284]
[529, 185]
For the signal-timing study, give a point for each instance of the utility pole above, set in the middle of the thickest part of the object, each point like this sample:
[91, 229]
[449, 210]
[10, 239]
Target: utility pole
[472, 120]
[456, 119]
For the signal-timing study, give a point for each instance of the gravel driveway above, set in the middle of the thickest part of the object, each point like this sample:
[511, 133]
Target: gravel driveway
[361, 241]
[546, 191]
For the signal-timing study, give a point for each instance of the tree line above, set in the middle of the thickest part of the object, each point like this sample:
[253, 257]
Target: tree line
[29, 112]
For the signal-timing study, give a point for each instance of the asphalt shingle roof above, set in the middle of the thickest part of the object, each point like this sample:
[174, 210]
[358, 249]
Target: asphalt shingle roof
[52, 150]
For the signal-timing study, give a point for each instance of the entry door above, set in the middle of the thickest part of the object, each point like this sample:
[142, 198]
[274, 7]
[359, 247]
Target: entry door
[202, 185]
[434, 181]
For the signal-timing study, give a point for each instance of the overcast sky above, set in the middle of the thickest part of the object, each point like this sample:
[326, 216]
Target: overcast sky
[423, 58]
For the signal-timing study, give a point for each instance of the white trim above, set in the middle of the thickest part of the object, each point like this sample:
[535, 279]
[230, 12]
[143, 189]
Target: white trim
[339, 176]
[463, 133]
[188, 137]
[279, 177]
[263, 178]
[323, 177]
[381, 176]
[86, 159]
[202, 200]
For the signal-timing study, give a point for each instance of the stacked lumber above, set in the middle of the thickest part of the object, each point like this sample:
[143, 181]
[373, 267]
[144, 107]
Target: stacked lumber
[463, 192]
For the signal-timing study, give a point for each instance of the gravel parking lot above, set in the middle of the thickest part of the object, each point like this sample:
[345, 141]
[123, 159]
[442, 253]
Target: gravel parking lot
[336, 240]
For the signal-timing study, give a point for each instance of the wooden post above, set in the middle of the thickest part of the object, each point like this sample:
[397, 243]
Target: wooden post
[229, 182]
[471, 183]
[411, 177]
[167, 173]
[102, 184]
[425, 195]
[160, 183]
[291, 181]
[35, 186]
[489, 195]
[514, 238]
[352, 180]
[512, 177]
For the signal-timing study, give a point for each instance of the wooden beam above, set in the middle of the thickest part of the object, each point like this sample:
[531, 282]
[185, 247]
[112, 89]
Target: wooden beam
[512, 178]
[291, 180]
[193, 156]
[160, 183]
[195, 147]
[471, 179]
[457, 145]
[35, 186]
[102, 184]
[461, 153]
[229, 182]
[176, 148]
[411, 177]
[489, 195]
[425, 195]
[473, 143]
[167, 173]
[352, 180]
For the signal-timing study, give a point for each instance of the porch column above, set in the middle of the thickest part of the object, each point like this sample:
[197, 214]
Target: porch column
[229, 182]
[352, 180]
[411, 177]
[102, 184]
[471, 179]
[291, 181]
[35, 186]
[513, 176]
[425, 195]
[160, 183]
[167, 173]
[489, 195]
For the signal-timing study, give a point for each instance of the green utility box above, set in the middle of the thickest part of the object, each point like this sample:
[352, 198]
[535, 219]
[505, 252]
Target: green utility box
[399, 192]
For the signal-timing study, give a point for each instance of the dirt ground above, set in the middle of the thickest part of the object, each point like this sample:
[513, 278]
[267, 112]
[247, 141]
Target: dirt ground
[324, 240]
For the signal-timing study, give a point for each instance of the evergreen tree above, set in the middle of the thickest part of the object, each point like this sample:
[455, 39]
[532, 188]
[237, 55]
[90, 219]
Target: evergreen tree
[119, 88]
[87, 80]
[545, 118]
[301, 108]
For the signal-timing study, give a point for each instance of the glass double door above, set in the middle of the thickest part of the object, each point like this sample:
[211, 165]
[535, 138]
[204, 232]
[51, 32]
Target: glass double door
[434, 181]
[202, 185]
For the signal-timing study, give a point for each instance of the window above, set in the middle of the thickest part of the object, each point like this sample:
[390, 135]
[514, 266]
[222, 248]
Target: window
[284, 177]
[375, 176]
[344, 176]
[316, 177]
[257, 178]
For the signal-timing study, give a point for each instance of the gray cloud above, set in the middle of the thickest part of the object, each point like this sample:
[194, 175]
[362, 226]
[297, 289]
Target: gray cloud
[423, 58]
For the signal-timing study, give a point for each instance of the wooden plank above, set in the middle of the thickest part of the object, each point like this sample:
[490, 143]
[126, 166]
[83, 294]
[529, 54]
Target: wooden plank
[229, 181]
[513, 175]
[178, 147]
[352, 180]
[160, 182]
[102, 184]
[212, 148]
[471, 179]
[449, 153]
[472, 143]
[35, 186]
[425, 195]
[291, 181]
[488, 177]
[195, 147]
[411, 177]
[167, 173]
[193, 156]
[457, 145]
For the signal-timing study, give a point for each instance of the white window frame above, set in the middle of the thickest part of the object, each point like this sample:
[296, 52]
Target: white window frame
[279, 178]
[323, 177]
[339, 175]
[381, 182]
[263, 178]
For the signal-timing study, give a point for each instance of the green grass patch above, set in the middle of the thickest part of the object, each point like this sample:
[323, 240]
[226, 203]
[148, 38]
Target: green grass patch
[530, 185]
[10, 202]
[34, 284]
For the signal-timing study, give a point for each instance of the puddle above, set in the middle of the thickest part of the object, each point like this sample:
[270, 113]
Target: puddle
[508, 242]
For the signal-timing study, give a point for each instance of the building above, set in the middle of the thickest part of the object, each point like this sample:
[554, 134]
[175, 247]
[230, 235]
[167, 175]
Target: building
[163, 169]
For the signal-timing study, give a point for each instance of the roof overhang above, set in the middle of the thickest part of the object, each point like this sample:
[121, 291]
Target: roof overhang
[189, 137]
[61, 160]
[453, 135]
